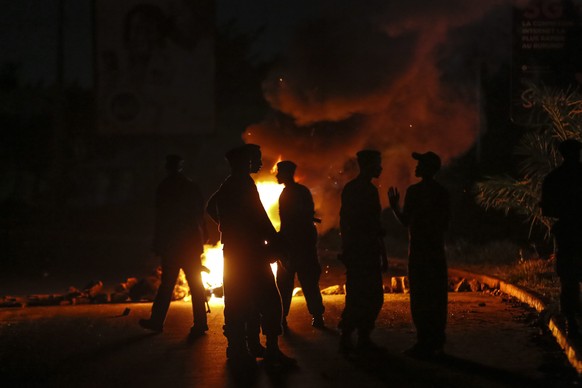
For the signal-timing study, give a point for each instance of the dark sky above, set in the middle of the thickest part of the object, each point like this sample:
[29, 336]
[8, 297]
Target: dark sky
[398, 76]
[28, 32]
[28, 36]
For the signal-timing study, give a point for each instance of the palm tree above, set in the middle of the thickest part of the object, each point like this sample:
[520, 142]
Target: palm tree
[558, 117]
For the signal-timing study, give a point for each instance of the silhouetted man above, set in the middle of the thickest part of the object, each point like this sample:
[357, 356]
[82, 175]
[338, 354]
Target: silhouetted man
[562, 199]
[299, 236]
[179, 236]
[426, 213]
[363, 253]
[249, 285]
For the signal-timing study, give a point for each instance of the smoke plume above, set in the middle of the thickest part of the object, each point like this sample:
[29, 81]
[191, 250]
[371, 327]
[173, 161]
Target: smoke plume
[389, 75]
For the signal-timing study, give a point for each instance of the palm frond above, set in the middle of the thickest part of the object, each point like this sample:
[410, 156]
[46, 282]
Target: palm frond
[538, 154]
[521, 197]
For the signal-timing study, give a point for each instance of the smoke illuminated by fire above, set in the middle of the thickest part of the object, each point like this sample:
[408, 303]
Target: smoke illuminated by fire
[395, 76]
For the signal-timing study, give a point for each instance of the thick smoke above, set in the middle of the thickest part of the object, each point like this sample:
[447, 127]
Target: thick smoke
[391, 75]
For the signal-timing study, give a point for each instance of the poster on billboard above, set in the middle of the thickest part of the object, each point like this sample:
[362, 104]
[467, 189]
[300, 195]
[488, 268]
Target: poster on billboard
[154, 66]
[547, 50]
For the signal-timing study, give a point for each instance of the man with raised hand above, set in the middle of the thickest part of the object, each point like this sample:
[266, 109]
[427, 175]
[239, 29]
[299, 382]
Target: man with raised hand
[426, 213]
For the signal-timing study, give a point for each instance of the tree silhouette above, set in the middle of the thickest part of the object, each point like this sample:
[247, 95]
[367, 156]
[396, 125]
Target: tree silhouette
[556, 116]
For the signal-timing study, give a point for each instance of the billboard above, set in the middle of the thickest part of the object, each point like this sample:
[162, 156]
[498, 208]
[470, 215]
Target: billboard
[154, 66]
[547, 50]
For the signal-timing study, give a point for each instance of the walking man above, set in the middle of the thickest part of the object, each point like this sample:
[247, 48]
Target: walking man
[299, 237]
[562, 199]
[179, 236]
[362, 253]
[426, 213]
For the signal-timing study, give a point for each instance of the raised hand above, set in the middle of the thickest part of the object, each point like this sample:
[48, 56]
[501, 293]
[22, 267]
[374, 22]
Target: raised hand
[393, 197]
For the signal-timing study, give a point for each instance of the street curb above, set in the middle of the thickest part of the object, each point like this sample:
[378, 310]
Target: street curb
[526, 296]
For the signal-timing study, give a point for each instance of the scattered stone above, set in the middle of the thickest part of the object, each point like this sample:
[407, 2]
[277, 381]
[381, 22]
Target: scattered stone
[44, 300]
[453, 282]
[9, 301]
[93, 289]
[462, 286]
[475, 285]
[333, 290]
[399, 284]
[146, 288]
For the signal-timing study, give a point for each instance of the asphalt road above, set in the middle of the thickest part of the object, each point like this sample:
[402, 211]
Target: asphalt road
[492, 341]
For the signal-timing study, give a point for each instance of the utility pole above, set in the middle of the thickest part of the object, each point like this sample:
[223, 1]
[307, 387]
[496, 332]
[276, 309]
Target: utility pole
[59, 114]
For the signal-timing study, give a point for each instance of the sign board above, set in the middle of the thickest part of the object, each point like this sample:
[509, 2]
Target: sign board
[547, 50]
[155, 66]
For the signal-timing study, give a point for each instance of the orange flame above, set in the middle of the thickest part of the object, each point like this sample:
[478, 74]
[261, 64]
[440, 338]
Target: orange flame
[274, 168]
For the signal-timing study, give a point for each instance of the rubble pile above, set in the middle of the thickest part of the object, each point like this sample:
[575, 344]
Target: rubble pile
[145, 289]
[132, 290]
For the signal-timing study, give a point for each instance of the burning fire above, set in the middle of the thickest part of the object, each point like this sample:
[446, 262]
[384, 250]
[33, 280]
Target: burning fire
[213, 261]
[269, 191]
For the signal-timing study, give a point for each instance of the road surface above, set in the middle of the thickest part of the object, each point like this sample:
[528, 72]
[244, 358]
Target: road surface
[492, 341]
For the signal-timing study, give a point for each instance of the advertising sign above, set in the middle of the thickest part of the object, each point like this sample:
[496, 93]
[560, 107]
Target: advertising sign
[155, 66]
[547, 50]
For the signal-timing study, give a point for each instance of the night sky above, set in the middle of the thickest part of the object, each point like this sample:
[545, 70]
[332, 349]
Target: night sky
[28, 33]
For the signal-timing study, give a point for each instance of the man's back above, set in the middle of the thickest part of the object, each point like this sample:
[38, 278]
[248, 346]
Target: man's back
[562, 194]
[428, 211]
[296, 211]
[360, 216]
[179, 214]
[241, 215]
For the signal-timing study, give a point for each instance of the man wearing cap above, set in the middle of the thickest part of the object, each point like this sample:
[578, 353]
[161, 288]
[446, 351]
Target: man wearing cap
[249, 286]
[299, 236]
[362, 253]
[179, 236]
[562, 199]
[426, 213]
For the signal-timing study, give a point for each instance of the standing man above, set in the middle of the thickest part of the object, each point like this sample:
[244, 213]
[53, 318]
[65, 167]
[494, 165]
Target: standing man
[299, 237]
[363, 253]
[426, 213]
[179, 236]
[249, 285]
[562, 199]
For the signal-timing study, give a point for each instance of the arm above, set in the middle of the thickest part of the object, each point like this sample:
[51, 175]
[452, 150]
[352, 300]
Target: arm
[394, 200]
[212, 208]
[199, 213]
